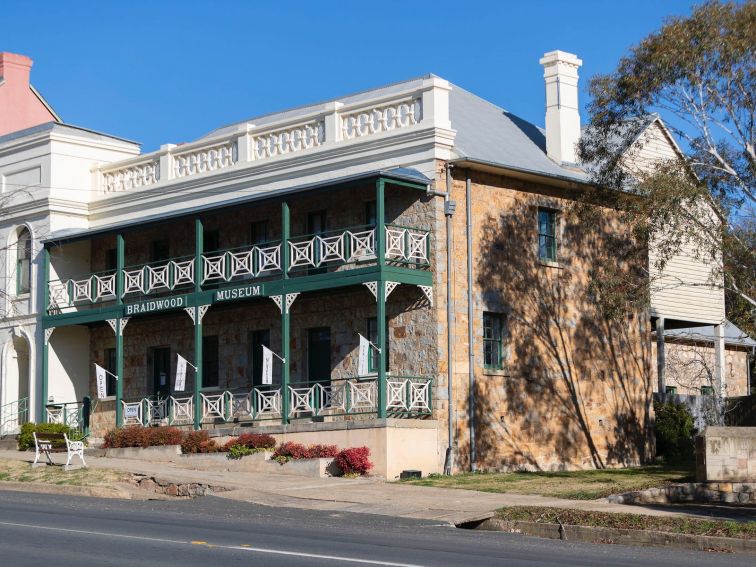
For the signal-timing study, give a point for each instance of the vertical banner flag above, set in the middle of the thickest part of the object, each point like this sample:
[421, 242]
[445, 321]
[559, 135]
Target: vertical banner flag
[180, 374]
[102, 381]
[362, 366]
[267, 365]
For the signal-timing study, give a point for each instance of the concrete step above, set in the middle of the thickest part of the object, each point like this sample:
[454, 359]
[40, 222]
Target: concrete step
[9, 442]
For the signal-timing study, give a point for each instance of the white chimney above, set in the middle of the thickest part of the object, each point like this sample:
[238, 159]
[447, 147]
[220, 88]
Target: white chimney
[560, 70]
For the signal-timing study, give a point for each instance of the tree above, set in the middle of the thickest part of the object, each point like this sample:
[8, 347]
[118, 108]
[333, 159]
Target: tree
[698, 74]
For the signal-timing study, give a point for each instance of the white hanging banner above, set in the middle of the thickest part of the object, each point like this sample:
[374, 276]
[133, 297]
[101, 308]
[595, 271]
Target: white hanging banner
[362, 365]
[180, 374]
[267, 365]
[102, 381]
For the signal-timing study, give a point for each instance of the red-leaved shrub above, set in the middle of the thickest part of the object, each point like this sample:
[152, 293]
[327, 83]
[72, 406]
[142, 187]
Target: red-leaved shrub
[291, 450]
[198, 442]
[322, 451]
[252, 440]
[355, 460]
[135, 436]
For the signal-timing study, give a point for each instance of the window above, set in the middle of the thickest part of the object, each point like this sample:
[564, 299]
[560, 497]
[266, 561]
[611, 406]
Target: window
[372, 336]
[258, 232]
[493, 324]
[159, 251]
[319, 354]
[547, 243]
[110, 366]
[210, 361]
[111, 259]
[210, 241]
[371, 214]
[23, 262]
[257, 339]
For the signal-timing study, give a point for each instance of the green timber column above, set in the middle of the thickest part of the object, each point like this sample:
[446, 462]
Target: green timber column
[199, 245]
[120, 261]
[285, 323]
[45, 338]
[380, 291]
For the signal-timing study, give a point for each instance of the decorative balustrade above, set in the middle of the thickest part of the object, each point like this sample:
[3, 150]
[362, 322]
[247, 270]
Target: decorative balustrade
[331, 123]
[353, 396]
[69, 413]
[334, 249]
[13, 415]
[379, 119]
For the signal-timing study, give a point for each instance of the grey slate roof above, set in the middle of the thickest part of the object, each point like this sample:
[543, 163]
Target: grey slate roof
[732, 334]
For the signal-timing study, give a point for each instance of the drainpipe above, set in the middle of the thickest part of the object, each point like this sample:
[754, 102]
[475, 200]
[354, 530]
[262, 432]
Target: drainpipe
[470, 315]
[449, 206]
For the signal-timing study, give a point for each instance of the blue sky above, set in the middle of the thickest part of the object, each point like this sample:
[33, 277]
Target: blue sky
[170, 71]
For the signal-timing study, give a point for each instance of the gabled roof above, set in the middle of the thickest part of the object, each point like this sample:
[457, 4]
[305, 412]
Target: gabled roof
[46, 104]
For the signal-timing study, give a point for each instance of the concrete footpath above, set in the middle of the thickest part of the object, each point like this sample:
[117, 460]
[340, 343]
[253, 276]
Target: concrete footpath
[373, 496]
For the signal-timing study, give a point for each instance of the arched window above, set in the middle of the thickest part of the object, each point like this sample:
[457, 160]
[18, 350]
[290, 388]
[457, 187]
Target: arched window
[23, 262]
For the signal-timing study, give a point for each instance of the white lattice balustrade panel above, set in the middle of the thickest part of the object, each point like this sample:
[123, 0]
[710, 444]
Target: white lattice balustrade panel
[330, 248]
[268, 402]
[54, 415]
[82, 290]
[183, 272]
[213, 406]
[332, 397]
[381, 119]
[418, 246]
[182, 410]
[158, 277]
[132, 413]
[131, 177]
[361, 244]
[268, 258]
[301, 399]
[213, 268]
[302, 253]
[204, 160]
[242, 263]
[157, 411]
[133, 281]
[395, 242]
[363, 395]
[240, 404]
[59, 296]
[106, 286]
[420, 396]
[396, 394]
[289, 140]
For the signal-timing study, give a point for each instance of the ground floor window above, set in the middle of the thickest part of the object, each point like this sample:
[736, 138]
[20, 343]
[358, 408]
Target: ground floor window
[110, 366]
[319, 354]
[493, 324]
[210, 361]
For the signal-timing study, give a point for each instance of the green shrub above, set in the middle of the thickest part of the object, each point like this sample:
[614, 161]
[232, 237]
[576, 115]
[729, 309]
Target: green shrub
[26, 438]
[674, 432]
[239, 451]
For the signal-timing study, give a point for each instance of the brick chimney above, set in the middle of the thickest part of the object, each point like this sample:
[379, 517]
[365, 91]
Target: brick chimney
[20, 106]
[560, 70]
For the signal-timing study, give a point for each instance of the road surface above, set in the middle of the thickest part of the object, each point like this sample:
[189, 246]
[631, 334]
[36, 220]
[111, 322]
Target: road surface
[37, 529]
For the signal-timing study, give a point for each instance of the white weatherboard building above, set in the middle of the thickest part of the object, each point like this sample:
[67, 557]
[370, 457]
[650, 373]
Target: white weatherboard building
[298, 231]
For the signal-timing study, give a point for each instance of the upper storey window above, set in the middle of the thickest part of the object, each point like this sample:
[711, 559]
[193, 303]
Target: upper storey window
[547, 234]
[23, 262]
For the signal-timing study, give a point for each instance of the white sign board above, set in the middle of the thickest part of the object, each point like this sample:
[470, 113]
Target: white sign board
[131, 411]
[180, 374]
[102, 381]
[362, 365]
[267, 365]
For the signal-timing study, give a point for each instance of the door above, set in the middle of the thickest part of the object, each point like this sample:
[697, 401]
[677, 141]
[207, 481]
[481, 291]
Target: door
[161, 371]
[319, 355]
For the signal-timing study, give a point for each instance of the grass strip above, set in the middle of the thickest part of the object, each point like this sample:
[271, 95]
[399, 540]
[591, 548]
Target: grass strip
[671, 524]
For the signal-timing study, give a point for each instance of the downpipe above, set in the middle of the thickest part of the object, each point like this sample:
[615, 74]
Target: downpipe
[449, 207]
[470, 315]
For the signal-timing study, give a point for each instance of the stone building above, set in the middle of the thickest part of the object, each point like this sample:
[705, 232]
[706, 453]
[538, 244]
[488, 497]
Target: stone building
[407, 253]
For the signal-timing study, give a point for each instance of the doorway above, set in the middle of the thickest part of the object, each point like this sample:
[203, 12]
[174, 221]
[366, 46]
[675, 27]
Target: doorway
[161, 372]
[319, 354]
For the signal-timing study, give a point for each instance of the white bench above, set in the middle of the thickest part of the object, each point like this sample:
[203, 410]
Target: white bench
[46, 443]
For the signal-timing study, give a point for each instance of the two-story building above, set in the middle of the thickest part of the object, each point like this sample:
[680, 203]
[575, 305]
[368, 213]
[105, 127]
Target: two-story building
[417, 215]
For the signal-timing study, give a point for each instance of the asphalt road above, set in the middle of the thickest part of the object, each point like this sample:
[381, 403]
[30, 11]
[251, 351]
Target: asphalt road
[38, 529]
